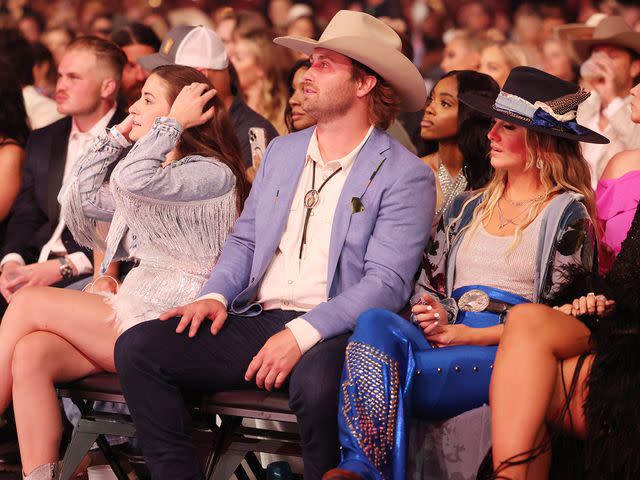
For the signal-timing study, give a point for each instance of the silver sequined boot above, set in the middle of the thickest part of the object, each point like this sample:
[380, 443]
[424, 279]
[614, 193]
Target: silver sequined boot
[48, 471]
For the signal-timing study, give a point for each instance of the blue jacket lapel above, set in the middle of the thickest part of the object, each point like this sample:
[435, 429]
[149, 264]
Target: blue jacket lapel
[372, 153]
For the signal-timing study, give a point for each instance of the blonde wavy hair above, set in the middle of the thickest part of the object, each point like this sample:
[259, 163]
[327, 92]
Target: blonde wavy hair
[275, 61]
[562, 169]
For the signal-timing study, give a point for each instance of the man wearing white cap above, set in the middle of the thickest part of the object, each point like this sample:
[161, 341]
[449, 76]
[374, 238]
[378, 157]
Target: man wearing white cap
[201, 48]
[335, 224]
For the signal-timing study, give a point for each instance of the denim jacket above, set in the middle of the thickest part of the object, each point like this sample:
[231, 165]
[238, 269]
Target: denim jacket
[187, 205]
[567, 237]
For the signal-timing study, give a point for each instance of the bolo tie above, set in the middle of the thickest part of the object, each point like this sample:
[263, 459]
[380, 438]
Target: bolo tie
[311, 199]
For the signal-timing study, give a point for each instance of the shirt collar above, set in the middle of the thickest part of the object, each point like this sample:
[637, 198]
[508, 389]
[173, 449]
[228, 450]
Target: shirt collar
[313, 152]
[99, 127]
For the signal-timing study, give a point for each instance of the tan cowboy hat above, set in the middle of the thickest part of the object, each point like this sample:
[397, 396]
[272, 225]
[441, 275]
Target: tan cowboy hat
[610, 31]
[371, 42]
[579, 31]
[571, 32]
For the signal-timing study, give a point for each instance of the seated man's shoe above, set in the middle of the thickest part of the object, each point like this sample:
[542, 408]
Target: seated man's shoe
[341, 474]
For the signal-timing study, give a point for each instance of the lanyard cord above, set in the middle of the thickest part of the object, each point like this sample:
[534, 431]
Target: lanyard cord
[311, 199]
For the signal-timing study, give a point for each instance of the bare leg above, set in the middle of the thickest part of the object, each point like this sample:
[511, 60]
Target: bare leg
[525, 387]
[82, 319]
[40, 359]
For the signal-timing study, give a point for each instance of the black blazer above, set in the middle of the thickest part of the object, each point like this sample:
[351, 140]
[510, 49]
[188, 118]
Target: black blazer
[36, 211]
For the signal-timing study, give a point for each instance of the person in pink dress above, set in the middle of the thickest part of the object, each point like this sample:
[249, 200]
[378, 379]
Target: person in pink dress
[618, 194]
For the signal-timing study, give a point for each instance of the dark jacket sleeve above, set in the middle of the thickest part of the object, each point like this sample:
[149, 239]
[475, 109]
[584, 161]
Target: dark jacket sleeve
[26, 215]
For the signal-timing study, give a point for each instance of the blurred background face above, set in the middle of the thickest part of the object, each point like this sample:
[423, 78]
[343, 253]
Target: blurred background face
[473, 17]
[302, 27]
[151, 105]
[246, 65]
[619, 59]
[29, 29]
[78, 90]
[458, 56]
[557, 61]
[56, 41]
[299, 117]
[224, 29]
[440, 121]
[494, 63]
[278, 11]
[133, 75]
[101, 27]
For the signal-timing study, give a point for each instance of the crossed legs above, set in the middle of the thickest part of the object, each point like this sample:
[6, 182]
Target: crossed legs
[527, 389]
[49, 335]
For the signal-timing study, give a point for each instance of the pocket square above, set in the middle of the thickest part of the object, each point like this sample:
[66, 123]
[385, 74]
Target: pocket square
[356, 205]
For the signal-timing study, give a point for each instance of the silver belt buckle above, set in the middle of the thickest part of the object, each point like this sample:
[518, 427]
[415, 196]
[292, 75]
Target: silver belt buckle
[473, 301]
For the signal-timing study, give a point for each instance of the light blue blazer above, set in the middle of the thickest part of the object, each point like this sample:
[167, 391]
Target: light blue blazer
[374, 253]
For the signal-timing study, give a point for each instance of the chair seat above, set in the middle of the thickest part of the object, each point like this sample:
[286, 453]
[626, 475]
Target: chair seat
[252, 400]
[106, 387]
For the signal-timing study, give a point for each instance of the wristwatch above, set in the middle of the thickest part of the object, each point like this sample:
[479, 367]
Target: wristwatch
[66, 270]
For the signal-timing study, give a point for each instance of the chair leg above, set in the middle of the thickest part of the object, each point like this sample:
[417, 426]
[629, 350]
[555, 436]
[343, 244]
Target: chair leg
[107, 451]
[80, 444]
[256, 467]
[241, 474]
[222, 463]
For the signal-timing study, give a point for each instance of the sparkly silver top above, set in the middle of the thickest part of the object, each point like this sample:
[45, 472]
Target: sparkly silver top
[484, 259]
[450, 187]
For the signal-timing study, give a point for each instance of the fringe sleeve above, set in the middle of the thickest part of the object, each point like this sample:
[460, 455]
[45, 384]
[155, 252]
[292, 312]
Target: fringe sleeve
[190, 229]
[85, 198]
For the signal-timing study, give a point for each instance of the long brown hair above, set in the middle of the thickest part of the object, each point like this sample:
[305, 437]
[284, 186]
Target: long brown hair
[215, 138]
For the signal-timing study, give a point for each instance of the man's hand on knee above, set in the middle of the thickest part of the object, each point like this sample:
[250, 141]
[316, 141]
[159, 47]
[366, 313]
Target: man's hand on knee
[195, 313]
[275, 360]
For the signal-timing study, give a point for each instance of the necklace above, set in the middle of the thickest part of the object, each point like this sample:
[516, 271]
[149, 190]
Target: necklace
[449, 186]
[503, 220]
[311, 199]
[520, 203]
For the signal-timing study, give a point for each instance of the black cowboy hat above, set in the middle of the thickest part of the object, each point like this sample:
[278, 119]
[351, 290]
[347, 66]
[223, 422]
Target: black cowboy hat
[554, 113]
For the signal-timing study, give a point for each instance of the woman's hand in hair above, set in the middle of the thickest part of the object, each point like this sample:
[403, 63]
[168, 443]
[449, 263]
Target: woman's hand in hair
[188, 107]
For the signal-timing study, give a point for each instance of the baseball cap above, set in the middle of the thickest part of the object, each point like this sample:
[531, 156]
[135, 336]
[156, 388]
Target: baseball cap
[197, 47]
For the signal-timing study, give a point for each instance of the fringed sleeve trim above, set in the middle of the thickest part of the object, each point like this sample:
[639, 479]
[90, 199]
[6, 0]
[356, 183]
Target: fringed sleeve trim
[199, 227]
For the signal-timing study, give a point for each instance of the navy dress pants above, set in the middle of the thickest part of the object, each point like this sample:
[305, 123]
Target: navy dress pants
[155, 365]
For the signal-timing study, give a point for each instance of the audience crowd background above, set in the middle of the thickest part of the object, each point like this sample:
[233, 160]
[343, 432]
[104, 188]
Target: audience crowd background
[70, 68]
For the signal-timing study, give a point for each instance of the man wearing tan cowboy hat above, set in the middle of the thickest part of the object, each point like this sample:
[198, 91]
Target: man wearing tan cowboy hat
[611, 63]
[335, 224]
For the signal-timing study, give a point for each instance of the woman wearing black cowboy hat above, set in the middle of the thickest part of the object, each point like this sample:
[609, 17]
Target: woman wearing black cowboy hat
[575, 369]
[503, 247]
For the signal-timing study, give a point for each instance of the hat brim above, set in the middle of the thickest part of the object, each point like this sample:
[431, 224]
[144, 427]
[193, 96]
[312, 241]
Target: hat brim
[153, 61]
[386, 61]
[485, 104]
[630, 40]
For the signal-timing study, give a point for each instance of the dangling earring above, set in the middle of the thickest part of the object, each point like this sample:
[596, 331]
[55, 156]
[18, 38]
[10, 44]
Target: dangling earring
[539, 163]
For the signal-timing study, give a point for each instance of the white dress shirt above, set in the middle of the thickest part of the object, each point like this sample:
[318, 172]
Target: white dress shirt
[294, 283]
[78, 143]
[41, 110]
[620, 130]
